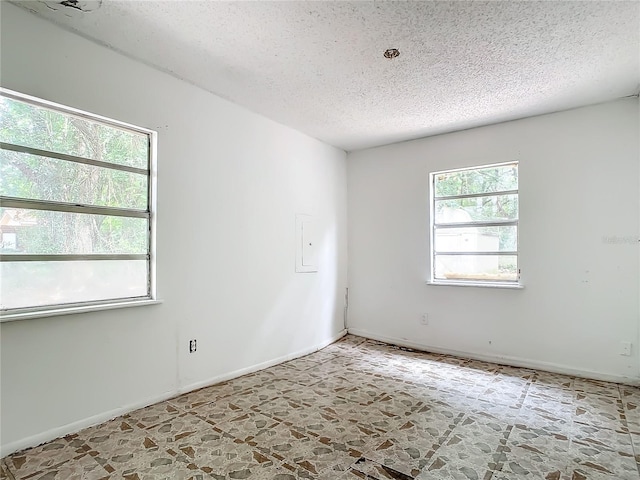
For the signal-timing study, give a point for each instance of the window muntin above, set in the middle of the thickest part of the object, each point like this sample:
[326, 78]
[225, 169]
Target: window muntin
[474, 225]
[76, 207]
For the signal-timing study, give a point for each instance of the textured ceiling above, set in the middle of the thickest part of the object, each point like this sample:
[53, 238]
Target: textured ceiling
[319, 66]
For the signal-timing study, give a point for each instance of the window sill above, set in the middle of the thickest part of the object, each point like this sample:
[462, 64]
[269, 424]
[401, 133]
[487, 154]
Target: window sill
[12, 317]
[444, 283]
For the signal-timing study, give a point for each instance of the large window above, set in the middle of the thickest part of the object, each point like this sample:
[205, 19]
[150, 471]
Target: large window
[474, 225]
[76, 208]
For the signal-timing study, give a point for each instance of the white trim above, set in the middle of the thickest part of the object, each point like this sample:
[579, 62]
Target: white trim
[41, 102]
[109, 305]
[445, 283]
[69, 428]
[151, 214]
[478, 167]
[433, 225]
[260, 366]
[501, 359]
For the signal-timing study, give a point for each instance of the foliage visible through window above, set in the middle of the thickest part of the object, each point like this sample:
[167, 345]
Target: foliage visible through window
[75, 207]
[475, 224]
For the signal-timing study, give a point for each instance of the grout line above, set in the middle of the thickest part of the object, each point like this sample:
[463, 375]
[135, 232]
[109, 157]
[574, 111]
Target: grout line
[460, 371]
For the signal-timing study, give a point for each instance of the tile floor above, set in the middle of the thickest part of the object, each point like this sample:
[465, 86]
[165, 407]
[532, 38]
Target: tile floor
[363, 410]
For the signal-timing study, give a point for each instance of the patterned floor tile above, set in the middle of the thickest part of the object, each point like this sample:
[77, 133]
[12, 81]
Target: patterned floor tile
[368, 417]
[248, 424]
[395, 452]
[195, 399]
[537, 418]
[602, 438]
[401, 404]
[120, 453]
[45, 457]
[601, 461]
[601, 417]
[154, 465]
[362, 409]
[240, 384]
[551, 392]
[364, 394]
[281, 409]
[4, 472]
[82, 468]
[218, 412]
[153, 414]
[539, 441]
[177, 430]
[553, 380]
[523, 463]
[327, 458]
[221, 456]
[447, 468]
[302, 364]
[631, 409]
[111, 434]
[427, 431]
[368, 469]
[313, 421]
[494, 412]
[551, 407]
[475, 447]
[596, 387]
[253, 398]
[312, 396]
[306, 378]
[280, 442]
[503, 395]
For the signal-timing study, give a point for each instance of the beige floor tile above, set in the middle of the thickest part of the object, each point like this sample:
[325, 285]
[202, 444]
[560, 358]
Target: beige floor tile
[365, 410]
[82, 468]
[45, 457]
[153, 414]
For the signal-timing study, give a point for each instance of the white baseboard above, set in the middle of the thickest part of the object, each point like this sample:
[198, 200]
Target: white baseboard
[260, 366]
[73, 427]
[69, 428]
[501, 359]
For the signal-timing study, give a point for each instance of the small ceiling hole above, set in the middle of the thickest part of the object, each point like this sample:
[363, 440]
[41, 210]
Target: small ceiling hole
[391, 53]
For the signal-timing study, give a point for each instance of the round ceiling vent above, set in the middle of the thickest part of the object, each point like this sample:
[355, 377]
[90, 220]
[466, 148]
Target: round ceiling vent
[391, 53]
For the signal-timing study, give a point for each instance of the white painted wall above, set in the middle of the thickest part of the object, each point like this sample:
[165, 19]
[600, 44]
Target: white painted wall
[579, 183]
[230, 183]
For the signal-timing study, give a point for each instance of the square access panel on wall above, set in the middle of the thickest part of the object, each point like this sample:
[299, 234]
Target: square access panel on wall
[306, 244]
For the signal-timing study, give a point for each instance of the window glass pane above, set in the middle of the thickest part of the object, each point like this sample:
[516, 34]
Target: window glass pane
[462, 210]
[476, 239]
[481, 180]
[40, 178]
[32, 284]
[476, 267]
[38, 127]
[46, 232]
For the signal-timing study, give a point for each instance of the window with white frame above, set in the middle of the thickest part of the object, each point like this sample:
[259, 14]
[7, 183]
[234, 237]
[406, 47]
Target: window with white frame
[474, 225]
[76, 208]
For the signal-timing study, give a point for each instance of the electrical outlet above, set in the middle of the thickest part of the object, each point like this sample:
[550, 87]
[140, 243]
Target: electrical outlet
[625, 348]
[424, 320]
[192, 345]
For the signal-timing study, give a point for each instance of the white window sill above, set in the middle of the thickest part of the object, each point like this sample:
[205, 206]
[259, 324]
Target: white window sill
[444, 283]
[12, 317]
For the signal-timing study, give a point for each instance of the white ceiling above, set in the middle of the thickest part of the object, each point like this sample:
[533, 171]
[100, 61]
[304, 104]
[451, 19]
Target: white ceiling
[319, 66]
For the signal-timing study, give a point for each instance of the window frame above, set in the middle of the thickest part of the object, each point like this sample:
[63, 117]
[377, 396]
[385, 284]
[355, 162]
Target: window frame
[433, 226]
[150, 213]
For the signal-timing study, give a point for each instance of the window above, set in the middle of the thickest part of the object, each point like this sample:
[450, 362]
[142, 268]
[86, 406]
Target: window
[76, 208]
[474, 225]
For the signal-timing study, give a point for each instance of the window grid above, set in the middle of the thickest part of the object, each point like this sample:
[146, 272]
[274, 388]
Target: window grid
[435, 226]
[82, 208]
